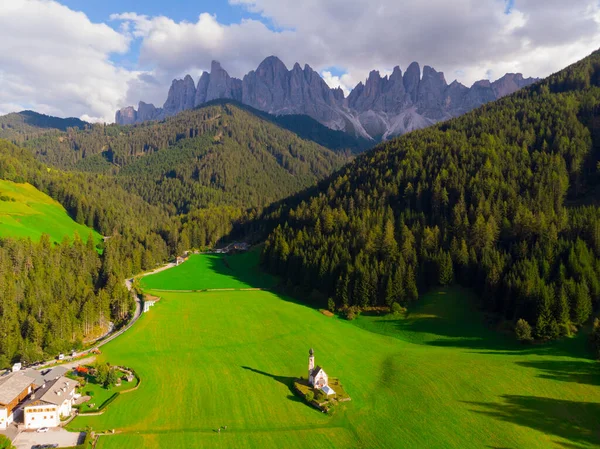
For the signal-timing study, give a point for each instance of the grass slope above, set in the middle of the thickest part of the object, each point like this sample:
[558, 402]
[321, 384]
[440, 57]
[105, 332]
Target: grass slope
[34, 213]
[208, 271]
[431, 379]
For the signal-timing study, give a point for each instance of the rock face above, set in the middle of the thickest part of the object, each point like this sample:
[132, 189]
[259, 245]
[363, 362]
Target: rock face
[126, 116]
[380, 108]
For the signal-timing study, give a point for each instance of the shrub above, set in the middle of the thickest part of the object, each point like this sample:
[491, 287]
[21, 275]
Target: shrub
[89, 393]
[309, 396]
[331, 305]
[350, 313]
[397, 309]
[523, 331]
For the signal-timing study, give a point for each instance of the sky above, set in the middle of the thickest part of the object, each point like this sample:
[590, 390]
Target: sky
[87, 59]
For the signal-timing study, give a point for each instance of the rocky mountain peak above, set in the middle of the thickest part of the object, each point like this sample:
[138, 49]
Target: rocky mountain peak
[182, 95]
[411, 79]
[378, 107]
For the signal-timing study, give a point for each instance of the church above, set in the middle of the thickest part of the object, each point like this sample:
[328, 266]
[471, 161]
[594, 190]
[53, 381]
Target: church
[317, 377]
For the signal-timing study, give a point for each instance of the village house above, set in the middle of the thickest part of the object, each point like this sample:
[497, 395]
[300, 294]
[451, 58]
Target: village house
[317, 377]
[14, 388]
[51, 401]
[179, 260]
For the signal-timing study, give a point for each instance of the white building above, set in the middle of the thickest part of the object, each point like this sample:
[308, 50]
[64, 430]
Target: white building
[317, 377]
[16, 367]
[46, 406]
[14, 388]
[147, 305]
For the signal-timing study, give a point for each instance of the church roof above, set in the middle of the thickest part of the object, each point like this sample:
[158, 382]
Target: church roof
[315, 370]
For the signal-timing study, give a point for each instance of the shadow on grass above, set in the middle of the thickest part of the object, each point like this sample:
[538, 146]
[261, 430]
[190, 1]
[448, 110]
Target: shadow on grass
[287, 381]
[451, 318]
[577, 422]
[567, 371]
[470, 335]
[242, 267]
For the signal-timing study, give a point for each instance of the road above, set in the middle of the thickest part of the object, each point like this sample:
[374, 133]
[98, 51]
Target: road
[59, 436]
[136, 315]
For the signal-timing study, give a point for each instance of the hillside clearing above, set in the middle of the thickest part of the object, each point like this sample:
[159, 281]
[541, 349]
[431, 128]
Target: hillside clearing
[33, 213]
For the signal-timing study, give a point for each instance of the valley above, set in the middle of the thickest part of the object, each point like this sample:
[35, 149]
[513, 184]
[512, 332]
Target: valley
[288, 256]
[433, 378]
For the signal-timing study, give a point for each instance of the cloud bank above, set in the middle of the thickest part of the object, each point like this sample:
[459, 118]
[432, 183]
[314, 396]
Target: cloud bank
[57, 61]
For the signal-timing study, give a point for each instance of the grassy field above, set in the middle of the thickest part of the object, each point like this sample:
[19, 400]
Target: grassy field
[208, 271]
[433, 379]
[34, 213]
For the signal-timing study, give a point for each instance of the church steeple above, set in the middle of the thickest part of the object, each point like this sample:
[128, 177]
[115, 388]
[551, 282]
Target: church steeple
[311, 361]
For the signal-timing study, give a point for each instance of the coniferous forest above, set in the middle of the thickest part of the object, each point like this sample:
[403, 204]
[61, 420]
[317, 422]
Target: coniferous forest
[502, 200]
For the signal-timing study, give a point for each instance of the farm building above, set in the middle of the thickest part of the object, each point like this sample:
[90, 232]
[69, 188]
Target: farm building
[53, 400]
[317, 377]
[45, 375]
[14, 388]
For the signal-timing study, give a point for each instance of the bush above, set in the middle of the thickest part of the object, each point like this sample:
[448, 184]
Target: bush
[351, 313]
[89, 393]
[523, 331]
[331, 305]
[397, 309]
[309, 396]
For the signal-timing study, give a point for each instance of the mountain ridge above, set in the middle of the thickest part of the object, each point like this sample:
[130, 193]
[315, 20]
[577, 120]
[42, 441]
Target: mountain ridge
[379, 108]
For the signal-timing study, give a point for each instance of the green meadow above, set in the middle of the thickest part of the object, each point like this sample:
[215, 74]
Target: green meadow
[212, 271]
[33, 213]
[436, 378]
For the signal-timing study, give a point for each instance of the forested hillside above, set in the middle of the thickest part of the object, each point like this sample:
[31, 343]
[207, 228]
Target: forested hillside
[478, 200]
[55, 296]
[220, 154]
[19, 127]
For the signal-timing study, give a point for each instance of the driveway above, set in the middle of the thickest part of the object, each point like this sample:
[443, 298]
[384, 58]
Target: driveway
[29, 438]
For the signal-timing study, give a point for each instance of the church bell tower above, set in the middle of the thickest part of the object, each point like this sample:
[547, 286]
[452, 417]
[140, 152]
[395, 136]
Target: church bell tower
[311, 361]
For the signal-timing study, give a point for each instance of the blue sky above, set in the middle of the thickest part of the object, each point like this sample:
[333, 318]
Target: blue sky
[99, 11]
[178, 10]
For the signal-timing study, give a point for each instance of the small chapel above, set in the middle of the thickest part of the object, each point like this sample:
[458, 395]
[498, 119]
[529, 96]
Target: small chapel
[317, 377]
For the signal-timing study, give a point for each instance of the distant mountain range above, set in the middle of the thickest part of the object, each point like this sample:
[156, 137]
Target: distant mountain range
[380, 108]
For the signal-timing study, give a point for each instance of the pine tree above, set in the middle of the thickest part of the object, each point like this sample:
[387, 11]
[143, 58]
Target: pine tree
[446, 271]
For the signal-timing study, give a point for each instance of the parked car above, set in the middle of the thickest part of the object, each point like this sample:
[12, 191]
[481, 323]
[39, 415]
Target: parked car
[42, 429]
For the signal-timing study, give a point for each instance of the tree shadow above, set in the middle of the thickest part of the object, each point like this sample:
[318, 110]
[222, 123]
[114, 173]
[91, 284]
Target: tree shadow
[577, 422]
[230, 266]
[445, 333]
[566, 371]
[284, 380]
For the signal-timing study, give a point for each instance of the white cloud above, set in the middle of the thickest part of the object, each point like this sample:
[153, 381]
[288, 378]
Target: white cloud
[334, 81]
[56, 61]
[467, 39]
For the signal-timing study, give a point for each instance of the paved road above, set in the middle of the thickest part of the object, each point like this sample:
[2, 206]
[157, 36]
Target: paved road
[59, 436]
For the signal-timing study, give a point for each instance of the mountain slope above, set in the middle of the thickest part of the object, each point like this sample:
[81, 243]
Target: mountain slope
[20, 126]
[27, 212]
[378, 109]
[479, 199]
[220, 154]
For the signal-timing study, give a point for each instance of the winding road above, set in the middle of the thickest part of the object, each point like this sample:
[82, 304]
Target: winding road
[111, 336]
